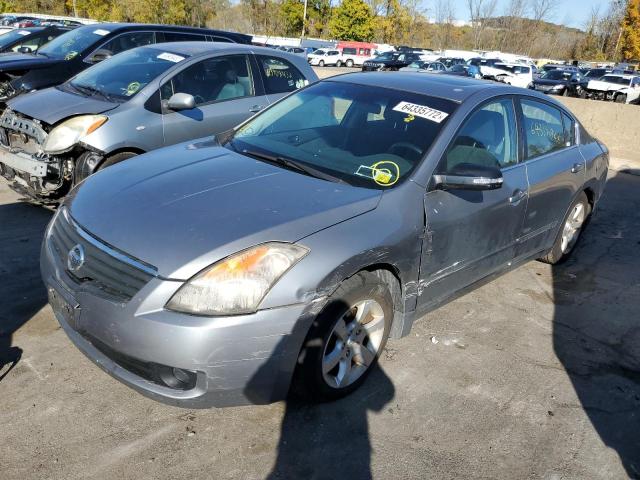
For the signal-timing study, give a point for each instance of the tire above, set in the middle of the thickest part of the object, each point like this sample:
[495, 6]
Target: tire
[339, 63]
[566, 92]
[583, 94]
[338, 354]
[321, 63]
[349, 63]
[621, 98]
[117, 158]
[563, 247]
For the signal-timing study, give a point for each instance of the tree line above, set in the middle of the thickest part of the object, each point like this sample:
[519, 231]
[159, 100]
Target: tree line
[611, 29]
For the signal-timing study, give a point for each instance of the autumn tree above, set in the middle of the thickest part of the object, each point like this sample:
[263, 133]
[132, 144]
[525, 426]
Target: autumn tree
[630, 38]
[352, 20]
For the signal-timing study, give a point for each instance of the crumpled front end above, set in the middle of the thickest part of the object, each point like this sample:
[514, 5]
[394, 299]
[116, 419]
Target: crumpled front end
[23, 162]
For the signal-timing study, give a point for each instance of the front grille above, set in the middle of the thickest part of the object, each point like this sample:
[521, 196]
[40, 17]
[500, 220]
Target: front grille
[112, 272]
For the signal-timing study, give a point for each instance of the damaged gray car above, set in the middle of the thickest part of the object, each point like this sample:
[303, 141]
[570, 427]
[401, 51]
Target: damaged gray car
[137, 101]
[283, 255]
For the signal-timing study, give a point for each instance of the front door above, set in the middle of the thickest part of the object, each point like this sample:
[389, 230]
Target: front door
[224, 90]
[471, 234]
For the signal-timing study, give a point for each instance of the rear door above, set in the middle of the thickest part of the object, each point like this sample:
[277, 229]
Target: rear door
[473, 233]
[555, 169]
[224, 89]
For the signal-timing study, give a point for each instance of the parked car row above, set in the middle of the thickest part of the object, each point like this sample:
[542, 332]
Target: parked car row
[150, 94]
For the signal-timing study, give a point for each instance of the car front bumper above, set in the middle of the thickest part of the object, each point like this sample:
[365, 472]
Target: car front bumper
[236, 360]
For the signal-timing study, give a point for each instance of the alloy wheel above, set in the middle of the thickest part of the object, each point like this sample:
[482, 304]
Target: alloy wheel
[353, 344]
[572, 227]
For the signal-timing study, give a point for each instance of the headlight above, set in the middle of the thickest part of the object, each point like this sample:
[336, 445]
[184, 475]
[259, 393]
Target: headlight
[68, 133]
[237, 284]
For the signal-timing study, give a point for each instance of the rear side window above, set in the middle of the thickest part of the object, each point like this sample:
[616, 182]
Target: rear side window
[183, 37]
[280, 76]
[127, 41]
[544, 128]
[349, 51]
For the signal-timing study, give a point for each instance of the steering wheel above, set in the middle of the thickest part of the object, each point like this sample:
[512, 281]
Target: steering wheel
[406, 146]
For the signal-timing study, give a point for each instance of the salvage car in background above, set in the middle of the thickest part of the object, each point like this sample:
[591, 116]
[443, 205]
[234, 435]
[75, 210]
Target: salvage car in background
[29, 40]
[558, 82]
[139, 100]
[392, 61]
[289, 250]
[515, 74]
[74, 51]
[617, 88]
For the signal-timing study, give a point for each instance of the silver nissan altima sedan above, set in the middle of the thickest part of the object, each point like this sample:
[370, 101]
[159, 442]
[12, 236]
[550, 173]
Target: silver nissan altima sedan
[283, 254]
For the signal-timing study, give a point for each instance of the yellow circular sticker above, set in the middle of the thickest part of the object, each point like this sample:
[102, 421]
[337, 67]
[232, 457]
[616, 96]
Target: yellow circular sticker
[385, 173]
[132, 88]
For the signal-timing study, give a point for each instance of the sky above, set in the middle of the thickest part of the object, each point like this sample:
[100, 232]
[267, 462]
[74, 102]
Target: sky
[573, 13]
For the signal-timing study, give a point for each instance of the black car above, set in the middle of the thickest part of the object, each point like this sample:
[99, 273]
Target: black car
[391, 61]
[558, 82]
[28, 40]
[451, 61]
[72, 52]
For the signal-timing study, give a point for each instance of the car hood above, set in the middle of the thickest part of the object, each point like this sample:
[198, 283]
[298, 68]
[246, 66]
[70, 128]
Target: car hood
[600, 85]
[544, 81]
[185, 207]
[52, 105]
[12, 61]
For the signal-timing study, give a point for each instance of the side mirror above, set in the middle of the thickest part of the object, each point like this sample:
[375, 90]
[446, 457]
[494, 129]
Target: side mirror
[181, 101]
[466, 176]
[25, 50]
[100, 55]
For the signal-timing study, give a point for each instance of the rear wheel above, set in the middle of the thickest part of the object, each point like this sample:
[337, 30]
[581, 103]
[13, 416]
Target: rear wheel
[345, 340]
[349, 63]
[570, 231]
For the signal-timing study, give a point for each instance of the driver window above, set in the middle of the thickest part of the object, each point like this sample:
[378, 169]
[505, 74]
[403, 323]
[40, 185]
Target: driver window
[488, 138]
[32, 44]
[213, 80]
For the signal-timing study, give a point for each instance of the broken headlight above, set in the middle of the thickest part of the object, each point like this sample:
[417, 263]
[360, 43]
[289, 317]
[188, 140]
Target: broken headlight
[237, 284]
[68, 133]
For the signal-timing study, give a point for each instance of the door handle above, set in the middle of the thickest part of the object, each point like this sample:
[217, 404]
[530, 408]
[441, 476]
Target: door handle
[517, 197]
[577, 167]
[256, 108]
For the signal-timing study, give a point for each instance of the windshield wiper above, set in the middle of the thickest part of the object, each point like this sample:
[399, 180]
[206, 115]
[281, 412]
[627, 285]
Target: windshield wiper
[92, 91]
[294, 165]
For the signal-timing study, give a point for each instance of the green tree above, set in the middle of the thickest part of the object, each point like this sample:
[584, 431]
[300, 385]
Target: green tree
[352, 20]
[630, 39]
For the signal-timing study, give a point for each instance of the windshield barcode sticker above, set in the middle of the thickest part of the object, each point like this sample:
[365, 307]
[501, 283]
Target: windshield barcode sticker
[101, 32]
[171, 57]
[421, 111]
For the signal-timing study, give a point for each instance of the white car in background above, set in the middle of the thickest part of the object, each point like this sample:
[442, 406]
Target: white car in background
[515, 74]
[619, 88]
[324, 57]
[488, 67]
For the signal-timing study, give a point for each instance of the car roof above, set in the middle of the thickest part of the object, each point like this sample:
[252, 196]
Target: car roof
[457, 89]
[112, 27]
[626, 76]
[193, 49]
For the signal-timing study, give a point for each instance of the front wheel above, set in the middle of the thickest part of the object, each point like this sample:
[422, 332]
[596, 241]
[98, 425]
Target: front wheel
[345, 340]
[339, 63]
[621, 98]
[570, 231]
[321, 63]
[349, 63]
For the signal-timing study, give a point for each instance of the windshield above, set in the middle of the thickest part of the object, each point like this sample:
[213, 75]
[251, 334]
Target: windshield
[617, 80]
[367, 136]
[71, 44]
[8, 38]
[556, 75]
[388, 56]
[124, 75]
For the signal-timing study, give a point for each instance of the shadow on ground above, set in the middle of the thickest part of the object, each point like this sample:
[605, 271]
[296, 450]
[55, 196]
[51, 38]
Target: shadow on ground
[22, 293]
[596, 327]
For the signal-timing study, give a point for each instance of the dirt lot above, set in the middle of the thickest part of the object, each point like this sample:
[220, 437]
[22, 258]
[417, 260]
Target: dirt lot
[536, 375]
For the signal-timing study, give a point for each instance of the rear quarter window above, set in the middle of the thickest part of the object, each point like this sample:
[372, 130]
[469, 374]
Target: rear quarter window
[544, 127]
[280, 76]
